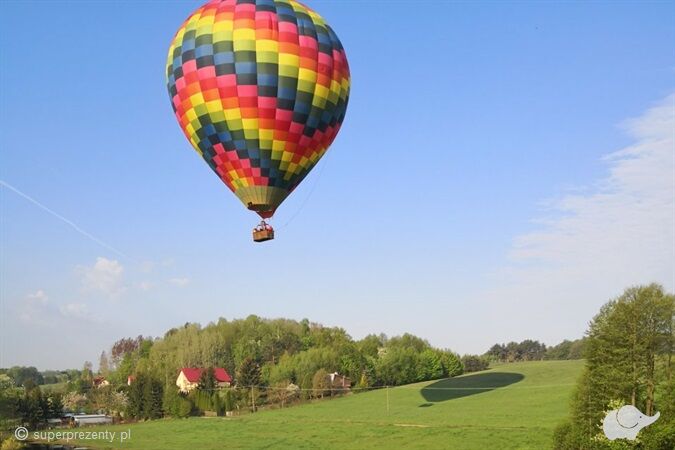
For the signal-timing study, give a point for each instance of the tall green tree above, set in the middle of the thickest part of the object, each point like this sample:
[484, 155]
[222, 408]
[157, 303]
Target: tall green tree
[10, 396]
[135, 402]
[174, 404]
[207, 380]
[33, 408]
[249, 373]
[452, 365]
[429, 366]
[152, 399]
[145, 398]
[87, 372]
[320, 384]
[21, 374]
[103, 364]
[398, 366]
[628, 359]
[248, 376]
[474, 363]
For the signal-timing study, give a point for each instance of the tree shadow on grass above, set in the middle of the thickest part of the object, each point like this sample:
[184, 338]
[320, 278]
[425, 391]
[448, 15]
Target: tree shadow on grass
[452, 388]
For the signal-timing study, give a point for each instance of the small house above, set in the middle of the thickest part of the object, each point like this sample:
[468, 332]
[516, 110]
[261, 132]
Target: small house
[100, 382]
[339, 382]
[188, 378]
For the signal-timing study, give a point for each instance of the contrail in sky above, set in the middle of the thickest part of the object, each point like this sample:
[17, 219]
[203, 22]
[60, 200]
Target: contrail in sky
[63, 219]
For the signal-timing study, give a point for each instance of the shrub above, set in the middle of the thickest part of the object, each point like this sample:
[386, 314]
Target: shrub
[564, 438]
[202, 400]
[473, 363]
[659, 436]
[320, 383]
[452, 365]
[11, 444]
[175, 404]
[228, 400]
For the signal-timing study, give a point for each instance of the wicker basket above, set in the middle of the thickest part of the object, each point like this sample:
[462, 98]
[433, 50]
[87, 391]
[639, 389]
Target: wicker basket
[263, 235]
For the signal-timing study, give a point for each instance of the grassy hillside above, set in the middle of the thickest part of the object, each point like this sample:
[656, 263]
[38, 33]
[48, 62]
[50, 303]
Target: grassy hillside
[511, 406]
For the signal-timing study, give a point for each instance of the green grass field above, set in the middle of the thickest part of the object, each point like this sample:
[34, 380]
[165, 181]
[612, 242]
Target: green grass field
[513, 406]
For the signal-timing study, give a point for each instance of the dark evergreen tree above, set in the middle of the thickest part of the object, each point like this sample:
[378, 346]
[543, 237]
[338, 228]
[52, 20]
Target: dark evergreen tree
[135, 401]
[33, 408]
[151, 399]
[207, 380]
[249, 373]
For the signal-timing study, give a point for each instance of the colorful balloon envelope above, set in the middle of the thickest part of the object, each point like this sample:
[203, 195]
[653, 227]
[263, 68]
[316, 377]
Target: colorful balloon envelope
[260, 89]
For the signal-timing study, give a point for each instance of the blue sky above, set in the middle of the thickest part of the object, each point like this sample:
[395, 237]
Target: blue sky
[503, 170]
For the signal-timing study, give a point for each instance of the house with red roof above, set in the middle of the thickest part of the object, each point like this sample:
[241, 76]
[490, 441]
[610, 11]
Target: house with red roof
[100, 382]
[188, 378]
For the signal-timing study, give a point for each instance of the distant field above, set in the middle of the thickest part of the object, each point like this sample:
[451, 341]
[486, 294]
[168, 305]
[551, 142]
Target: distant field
[527, 401]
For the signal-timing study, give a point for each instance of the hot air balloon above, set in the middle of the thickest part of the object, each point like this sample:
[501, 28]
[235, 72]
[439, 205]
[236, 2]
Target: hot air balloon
[260, 89]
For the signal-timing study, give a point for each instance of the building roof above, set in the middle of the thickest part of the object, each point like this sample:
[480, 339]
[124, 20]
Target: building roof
[194, 373]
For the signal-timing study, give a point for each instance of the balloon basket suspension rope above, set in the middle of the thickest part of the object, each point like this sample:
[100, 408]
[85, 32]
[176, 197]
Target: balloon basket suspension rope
[263, 232]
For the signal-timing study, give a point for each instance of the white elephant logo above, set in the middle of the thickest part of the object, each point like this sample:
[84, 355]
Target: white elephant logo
[626, 422]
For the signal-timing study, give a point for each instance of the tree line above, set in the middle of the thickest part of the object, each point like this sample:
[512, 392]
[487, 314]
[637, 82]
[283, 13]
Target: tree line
[629, 361]
[531, 350]
[27, 405]
[527, 350]
[273, 363]
[285, 350]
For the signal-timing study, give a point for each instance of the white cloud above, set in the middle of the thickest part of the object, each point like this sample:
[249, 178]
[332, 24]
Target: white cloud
[38, 296]
[625, 222]
[37, 309]
[631, 210]
[593, 243]
[33, 307]
[180, 282]
[104, 276]
[77, 310]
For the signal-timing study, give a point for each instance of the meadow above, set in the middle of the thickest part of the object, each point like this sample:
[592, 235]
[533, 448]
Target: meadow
[511, 406]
